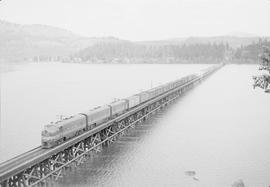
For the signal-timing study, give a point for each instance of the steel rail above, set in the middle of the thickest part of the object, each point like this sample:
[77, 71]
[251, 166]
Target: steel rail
[43, 154]
[32, 161]
[18, 157]
[102, 142]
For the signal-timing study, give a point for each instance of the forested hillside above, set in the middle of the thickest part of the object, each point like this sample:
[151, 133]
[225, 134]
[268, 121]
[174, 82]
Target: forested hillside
[250, 53]
[18, 42]
[126, 51]
[45, 43]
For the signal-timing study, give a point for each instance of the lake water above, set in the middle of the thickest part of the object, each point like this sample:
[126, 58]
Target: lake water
[220, 129]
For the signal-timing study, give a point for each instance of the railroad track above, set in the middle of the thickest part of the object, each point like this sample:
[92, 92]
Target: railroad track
[35, 156]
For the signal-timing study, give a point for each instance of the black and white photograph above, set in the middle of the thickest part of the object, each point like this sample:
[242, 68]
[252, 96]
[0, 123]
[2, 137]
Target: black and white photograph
[135, 93]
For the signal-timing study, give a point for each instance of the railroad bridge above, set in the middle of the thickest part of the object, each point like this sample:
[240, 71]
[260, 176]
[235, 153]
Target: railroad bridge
[39, 166]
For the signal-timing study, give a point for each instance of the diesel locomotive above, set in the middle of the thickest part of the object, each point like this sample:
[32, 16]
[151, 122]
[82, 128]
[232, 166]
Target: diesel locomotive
[58, 132]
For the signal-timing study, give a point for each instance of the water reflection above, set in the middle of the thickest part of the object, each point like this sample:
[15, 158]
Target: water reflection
[220, 130]
[34, 94]
[103, 168]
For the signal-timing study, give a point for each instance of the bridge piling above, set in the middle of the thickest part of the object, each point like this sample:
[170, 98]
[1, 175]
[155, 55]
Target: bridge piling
[74, 153]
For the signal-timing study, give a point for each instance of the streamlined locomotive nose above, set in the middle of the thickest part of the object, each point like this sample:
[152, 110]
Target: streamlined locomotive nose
[47, 142]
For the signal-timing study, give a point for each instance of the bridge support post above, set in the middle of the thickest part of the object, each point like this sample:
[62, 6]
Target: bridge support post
[54, 167]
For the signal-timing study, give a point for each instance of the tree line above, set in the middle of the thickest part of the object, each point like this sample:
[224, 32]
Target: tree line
[201, 52]
[251, 52]
[134, 50]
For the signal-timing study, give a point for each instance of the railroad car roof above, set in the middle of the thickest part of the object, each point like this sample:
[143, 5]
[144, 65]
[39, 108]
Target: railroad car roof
[143, 92]
[97, 109]
[65, 121]
[118, 102]
[133, 96]
[155, 88]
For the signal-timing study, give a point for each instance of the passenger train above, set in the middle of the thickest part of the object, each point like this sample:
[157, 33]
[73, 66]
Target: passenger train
[58, 132]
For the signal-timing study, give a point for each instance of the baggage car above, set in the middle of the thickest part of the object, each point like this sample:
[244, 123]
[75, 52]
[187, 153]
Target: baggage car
[133, 101]
[97, 116]
[118, 107]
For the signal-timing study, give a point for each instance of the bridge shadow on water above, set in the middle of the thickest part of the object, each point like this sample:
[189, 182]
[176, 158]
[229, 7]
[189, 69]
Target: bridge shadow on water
[103, 167]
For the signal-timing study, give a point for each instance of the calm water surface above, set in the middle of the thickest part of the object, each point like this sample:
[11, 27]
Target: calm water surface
[33, 95]
[220, 129]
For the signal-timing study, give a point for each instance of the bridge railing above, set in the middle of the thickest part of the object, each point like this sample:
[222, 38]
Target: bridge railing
[43, 166]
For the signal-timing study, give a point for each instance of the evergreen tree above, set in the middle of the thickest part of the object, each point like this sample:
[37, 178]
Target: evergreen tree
[263, 81]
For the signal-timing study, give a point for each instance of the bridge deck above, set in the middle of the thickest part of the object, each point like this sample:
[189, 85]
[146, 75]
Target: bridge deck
[37, 155]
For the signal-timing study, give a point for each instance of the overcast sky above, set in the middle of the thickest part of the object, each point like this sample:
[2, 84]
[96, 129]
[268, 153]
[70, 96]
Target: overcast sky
[143, 19]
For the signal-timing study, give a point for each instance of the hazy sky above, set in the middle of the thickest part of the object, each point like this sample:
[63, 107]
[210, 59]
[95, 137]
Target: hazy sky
[143, 19]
